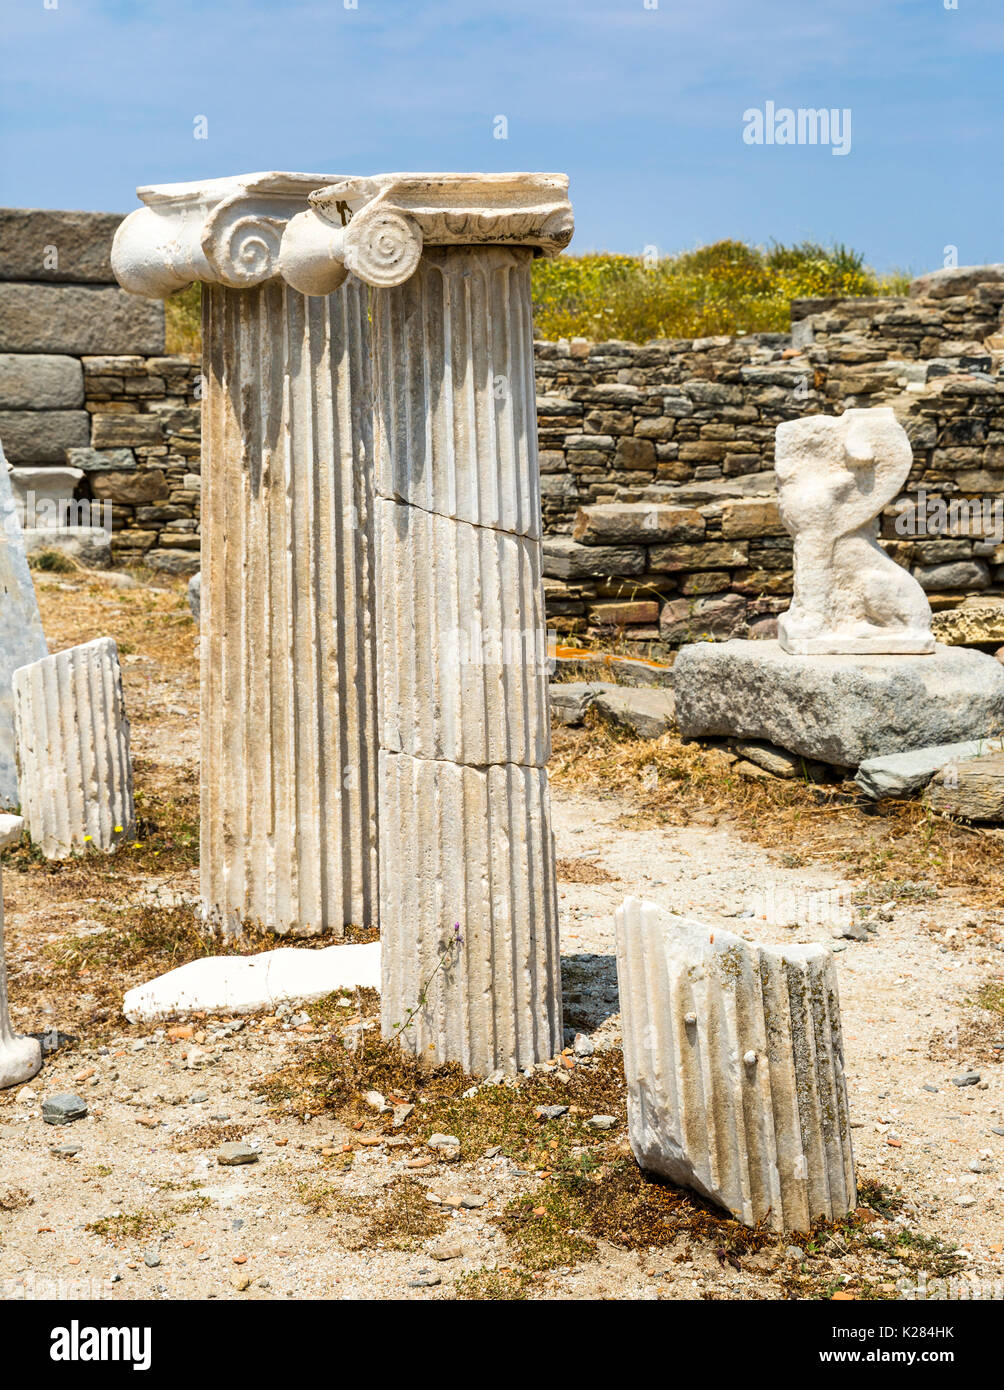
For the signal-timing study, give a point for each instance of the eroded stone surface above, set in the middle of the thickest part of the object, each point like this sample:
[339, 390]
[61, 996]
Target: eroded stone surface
[837, 709]
[21, 637]
[734, 1063]
[835, 474]
[74, 769]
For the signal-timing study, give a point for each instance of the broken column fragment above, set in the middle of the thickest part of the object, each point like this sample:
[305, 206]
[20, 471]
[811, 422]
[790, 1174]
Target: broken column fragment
[21, 637]
[20, 1057]
[734, 1064]
[74, 770]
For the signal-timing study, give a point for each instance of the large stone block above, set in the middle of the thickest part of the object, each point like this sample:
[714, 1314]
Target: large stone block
[43, 436]
[21, 637]
[74, 770]
[41, 244]
[643, 523]
[567, 559]
[40, 381]
[78, 319]
[734, 1062]
[91, 545]
[695, 619]
[837, 709]
[131, 489]
[974, 790]
[970, 624]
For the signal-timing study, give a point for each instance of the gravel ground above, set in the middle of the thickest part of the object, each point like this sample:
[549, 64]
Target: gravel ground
[137, 1204]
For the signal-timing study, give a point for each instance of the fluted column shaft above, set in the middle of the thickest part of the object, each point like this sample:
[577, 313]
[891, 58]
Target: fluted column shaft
[465, 839]
[287, 667]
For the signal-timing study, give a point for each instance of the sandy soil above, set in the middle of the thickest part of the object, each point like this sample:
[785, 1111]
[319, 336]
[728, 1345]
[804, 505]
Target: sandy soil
[137, 1204]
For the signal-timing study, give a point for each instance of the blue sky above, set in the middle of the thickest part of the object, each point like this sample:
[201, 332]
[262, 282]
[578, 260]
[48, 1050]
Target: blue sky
[642, 107]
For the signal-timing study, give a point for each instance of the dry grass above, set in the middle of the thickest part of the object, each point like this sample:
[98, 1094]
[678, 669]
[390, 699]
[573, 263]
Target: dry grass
[890, 845]
[583, 871]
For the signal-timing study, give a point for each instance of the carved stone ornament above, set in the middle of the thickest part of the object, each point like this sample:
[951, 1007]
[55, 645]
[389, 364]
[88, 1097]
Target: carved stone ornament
[315, 229]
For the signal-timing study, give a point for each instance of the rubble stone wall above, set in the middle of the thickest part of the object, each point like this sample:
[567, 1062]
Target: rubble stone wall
[658, 491]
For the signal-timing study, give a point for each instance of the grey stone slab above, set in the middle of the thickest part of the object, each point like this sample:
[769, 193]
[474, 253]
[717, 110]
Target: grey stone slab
[102, 460]
[837, 709]
[40, 381]
[975, 790]
[902, 774]
[21, 636]
[649, 713]
[63, 1109]
[91, 545]
[78, 319]
[43, 436]
[567, 559]
[43, 244]
[570, 699]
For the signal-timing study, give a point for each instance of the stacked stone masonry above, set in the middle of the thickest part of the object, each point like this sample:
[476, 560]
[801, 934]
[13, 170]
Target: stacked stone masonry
[659, 501]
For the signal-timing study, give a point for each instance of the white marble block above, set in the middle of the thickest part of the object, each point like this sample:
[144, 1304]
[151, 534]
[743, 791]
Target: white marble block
[21, 636]
[74, 770]
[734, 1062]
[835, 474]
[20, 1057]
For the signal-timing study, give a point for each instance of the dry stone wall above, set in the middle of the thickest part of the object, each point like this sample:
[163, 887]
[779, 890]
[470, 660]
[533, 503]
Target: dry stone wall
[658, 494]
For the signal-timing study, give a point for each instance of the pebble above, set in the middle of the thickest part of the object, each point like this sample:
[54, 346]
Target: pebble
[443, 1141]
[965, 1201]
[550, 1112]
[968, 1078]
[853, 931]
[240, 1282]
[794, 1252]
[451, 1251]
[230, 1154]
[583, 1046]
[65, 1150]
[63, 1109]
[198, 1098]
[376, 1102]
[152, 1259]
[601, 1122]
[426, 1280]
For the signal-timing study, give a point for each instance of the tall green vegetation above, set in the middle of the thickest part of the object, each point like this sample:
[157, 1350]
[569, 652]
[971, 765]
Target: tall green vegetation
[728, 287]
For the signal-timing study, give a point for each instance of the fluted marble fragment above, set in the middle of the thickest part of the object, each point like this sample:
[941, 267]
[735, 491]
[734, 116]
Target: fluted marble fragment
[74, 770]
[734, 1063]
[20, 1057]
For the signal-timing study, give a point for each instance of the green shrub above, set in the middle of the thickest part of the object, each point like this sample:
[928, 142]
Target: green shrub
[727, 287]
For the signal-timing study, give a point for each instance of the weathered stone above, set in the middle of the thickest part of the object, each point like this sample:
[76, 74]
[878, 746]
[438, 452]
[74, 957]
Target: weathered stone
[649, 713]
[172, 561]
[644, 523]
[101, 460]
[565, 558]
[954, 280]
[38, 381]
[74, 770]
[570, 699]
[902, 774]
[91, 545]
[11, 829]
[629, 612]
[696, 619]
[749, 516]
[971, 624]
[42, 436]
[734, 1062]
[596, 667]
[835, 474]
[130, 489]
[195, 595]
[965, 574]
[20, 1057]
[40, 244]
[45, 496]
[231, 1155]
[709, 556]
[126, 430]
[837, 709]
[21, 637]
[973, 789]
[777, 761]
[63, 1109]
[77, 319]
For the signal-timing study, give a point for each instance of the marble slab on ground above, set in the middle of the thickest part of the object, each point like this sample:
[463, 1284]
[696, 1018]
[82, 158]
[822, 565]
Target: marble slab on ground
[837, 709]
[21, 636]
[901, 774]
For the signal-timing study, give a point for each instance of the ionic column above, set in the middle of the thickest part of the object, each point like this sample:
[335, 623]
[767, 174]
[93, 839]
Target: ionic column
[288, 738]
[468, 903]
